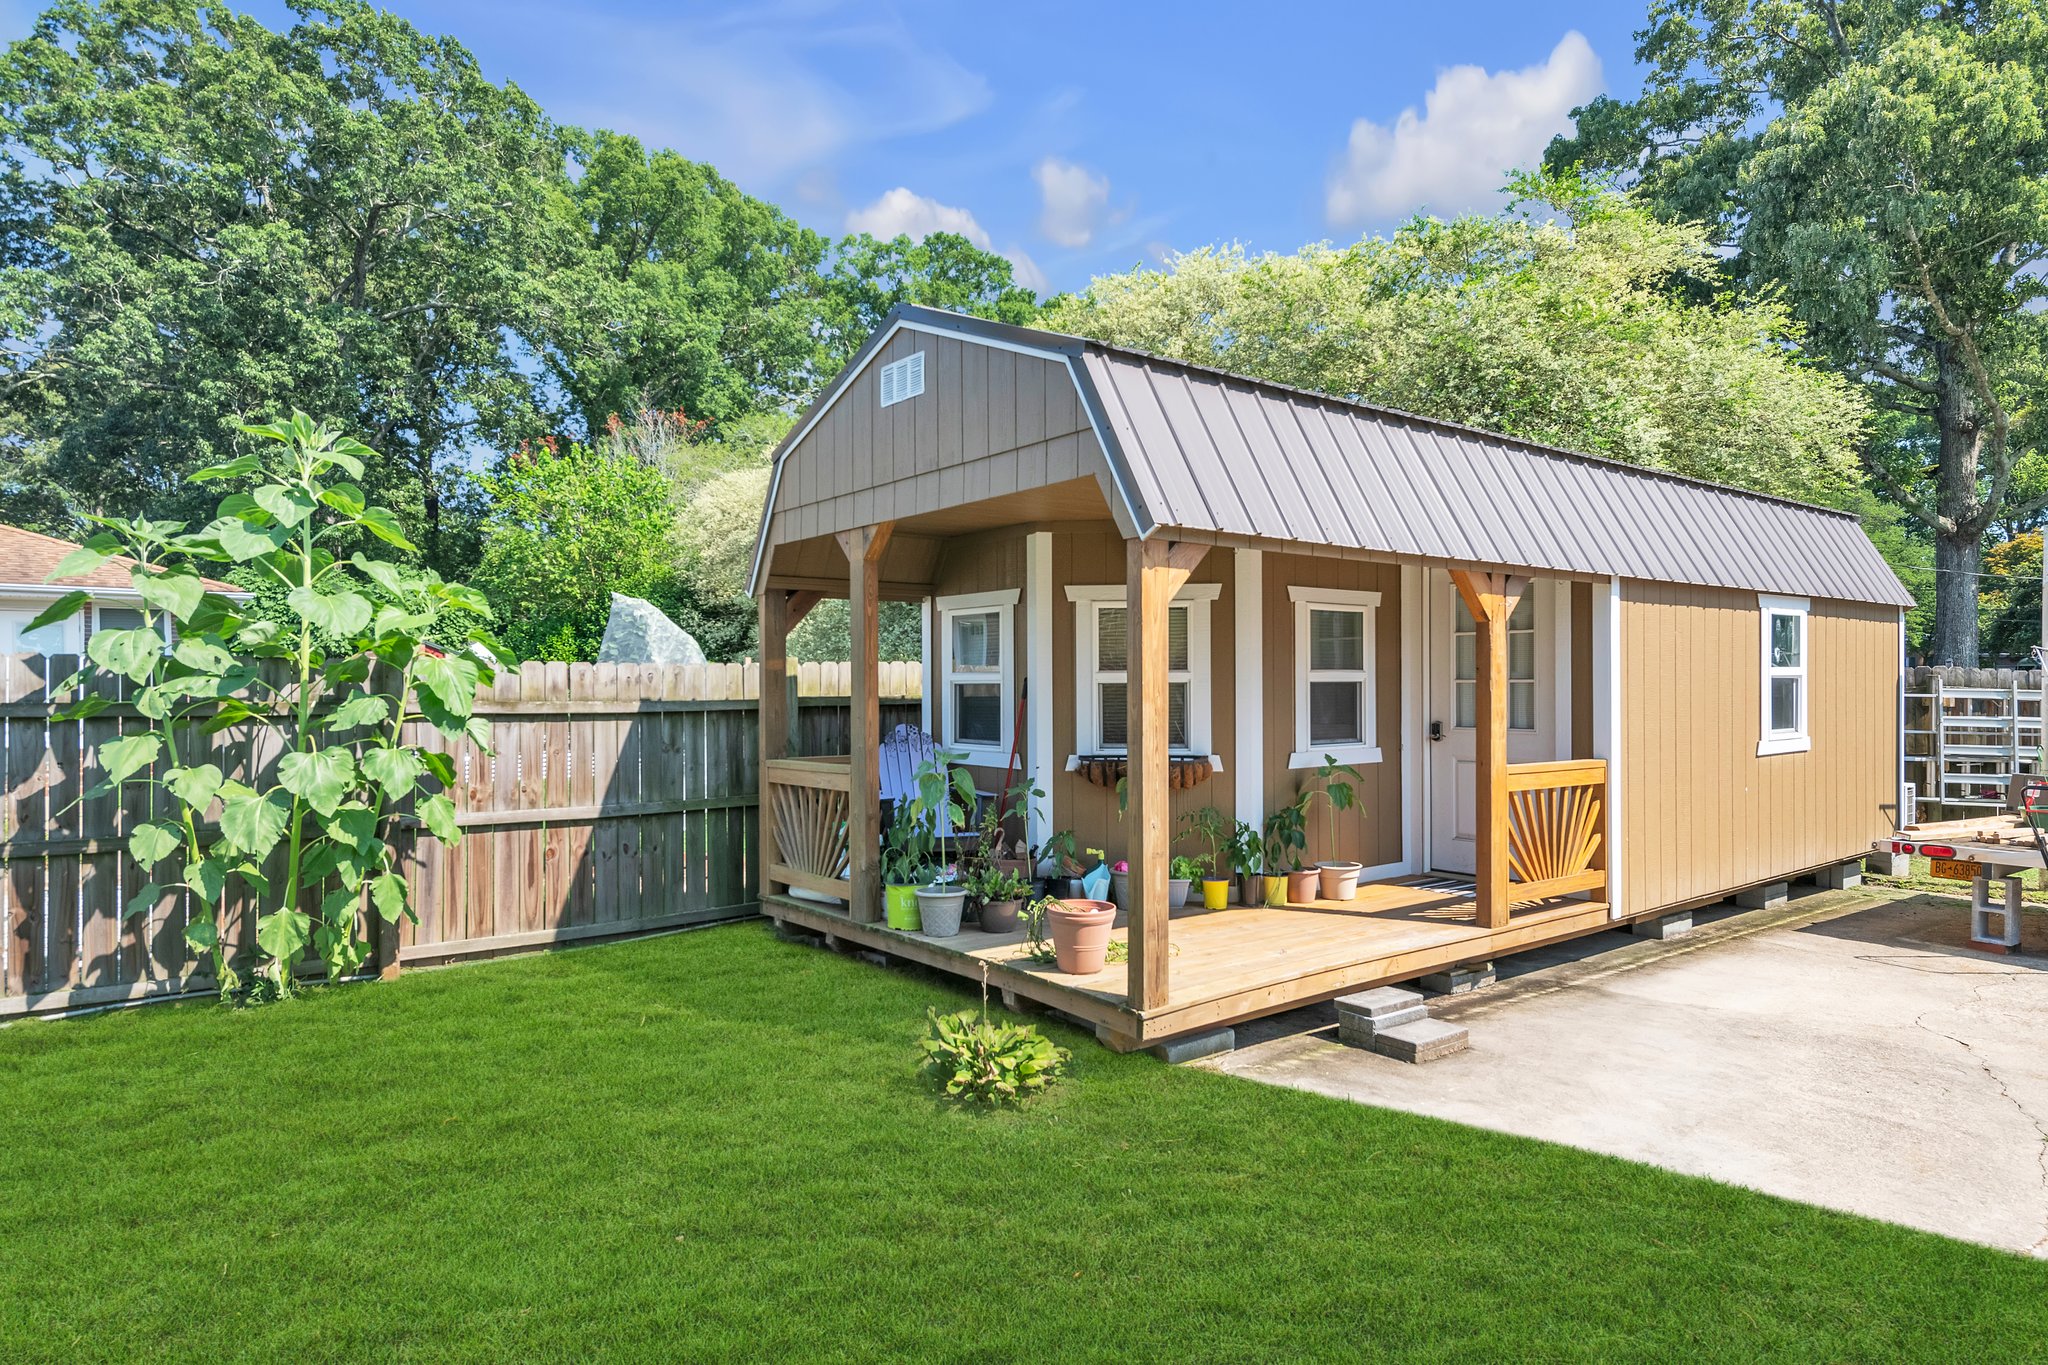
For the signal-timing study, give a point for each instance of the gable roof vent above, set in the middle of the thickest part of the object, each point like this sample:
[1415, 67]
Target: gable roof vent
[903, 378]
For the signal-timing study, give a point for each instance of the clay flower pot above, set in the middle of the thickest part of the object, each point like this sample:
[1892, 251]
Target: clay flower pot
[1080, 934]
[1000, 917]
[1339, 880]
[1302, 886]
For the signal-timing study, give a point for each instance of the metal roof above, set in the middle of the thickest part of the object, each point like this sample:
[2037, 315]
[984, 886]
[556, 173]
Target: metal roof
[1222, 452]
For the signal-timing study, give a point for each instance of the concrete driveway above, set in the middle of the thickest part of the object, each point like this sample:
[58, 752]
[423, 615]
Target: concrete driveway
[1846, 1050]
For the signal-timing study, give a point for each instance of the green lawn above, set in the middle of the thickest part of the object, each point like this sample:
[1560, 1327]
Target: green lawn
[713, 1146]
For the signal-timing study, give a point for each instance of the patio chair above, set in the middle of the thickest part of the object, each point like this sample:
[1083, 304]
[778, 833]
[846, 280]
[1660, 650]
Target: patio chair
[904, 750]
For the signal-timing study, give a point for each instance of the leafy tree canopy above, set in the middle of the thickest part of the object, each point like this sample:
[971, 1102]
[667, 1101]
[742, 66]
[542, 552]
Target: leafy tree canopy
[1602, 332]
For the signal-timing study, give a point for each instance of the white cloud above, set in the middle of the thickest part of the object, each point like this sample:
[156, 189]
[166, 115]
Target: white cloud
[1074, 198]
[1475, 124]
[903, 213]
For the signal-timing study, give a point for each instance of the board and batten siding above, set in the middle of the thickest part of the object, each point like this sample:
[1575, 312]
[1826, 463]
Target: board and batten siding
[989, 422]
[1702, 814]
[1370, 833]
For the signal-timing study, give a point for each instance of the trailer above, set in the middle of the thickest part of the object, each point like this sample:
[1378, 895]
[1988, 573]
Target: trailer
[1990, 852]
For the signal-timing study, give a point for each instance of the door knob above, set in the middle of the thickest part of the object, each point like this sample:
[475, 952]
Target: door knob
[1436, 731]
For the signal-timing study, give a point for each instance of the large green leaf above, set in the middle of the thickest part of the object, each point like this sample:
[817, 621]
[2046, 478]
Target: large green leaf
[123, 758]
[382, 523]
[283, 934]
[355, 825]
[63, 609]
[143, 901]
[344, 498]
[177, 592]
[242, 541]
[357, 712]
[207, 878]
[395, 770]
[196, 786]
[203, 656]
[232, 469]
[150, 844]
[437, 813]
[202, 934]
[289, 505]
[131, 653]
[440, 765]
[452, 681]
[320, 777]
[97, 550]
[388, 894]
[341, 613]
[253, 825]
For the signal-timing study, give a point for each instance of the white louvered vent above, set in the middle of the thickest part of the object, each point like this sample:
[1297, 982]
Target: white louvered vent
[903, 379]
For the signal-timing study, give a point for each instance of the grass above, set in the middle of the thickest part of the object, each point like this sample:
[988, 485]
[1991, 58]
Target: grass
[1922, 881]
[713, 1146]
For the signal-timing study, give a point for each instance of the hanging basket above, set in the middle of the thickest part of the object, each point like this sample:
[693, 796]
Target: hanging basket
[1106, 770]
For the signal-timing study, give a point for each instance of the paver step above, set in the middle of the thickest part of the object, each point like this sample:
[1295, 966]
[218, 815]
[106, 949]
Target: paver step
[1365, 1014]
[1421, 1040]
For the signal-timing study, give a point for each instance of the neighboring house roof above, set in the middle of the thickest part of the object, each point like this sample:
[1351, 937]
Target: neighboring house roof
[27, 557]
[1196, 448]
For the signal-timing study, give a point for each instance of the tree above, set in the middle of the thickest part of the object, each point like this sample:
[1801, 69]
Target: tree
[692, 295]
[866, 278]
[1603, 333]
[1885, 164]
[207, 221]
[566, 529]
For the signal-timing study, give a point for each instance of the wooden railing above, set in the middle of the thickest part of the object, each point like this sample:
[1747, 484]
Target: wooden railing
[1557, 829]
[805, 804]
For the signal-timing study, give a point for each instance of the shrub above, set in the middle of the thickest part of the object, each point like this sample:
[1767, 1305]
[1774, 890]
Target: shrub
[970, 1057]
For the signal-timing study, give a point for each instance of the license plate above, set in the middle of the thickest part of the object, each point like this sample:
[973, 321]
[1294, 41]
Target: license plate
[1956, 869]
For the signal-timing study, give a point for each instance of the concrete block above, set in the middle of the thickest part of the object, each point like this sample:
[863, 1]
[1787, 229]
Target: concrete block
[1663, 926]
[1840, 877]
[1422, 1040]
[1889, 865]
[870, 955]
[1466, 976]
[1196, 1045]
[1764, 897]
[2005, 906]
[1361, 1016]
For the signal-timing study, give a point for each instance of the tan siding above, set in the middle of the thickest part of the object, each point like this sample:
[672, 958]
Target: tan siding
[982, 563]
[1702, 814]
[1372, 836]
[1582, 669]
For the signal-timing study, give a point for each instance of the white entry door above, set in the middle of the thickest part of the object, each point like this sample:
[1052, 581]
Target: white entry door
[1453, 708]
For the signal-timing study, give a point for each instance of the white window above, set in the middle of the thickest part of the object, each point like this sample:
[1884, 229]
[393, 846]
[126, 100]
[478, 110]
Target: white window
[977, 673]
[1783, 669]
[1102, 669]
[1521, 664]
[58, 637]
[902, 379]
[1333, 676]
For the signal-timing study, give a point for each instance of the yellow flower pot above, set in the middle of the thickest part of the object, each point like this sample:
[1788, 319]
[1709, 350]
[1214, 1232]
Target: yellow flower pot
[1276, 890]
[1215, 893]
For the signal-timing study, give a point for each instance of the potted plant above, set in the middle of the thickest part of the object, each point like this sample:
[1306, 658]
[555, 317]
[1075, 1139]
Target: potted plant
[906, 853]
[1120, 883]
[1286, 836]
[1080, 934]
[995, 823]
[1339, 876]
[1247, 855]
[1212, 827]
[943, 794]
[1002, 895]
[1059, 862]
[1181, 875]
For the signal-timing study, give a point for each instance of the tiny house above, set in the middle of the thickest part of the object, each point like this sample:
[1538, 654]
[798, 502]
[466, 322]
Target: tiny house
[1578, 692]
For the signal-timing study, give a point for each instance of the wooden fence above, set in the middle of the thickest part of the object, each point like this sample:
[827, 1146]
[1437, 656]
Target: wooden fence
[615, 800]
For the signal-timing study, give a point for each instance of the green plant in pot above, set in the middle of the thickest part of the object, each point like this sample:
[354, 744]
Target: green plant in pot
[998, 818]
[1246, 852]
[1059, 862]
[1182, 872]
[1213, 828]
[1002, 894]
[943, 793]
[1339, 876]
[906, 854]
[1284, 879]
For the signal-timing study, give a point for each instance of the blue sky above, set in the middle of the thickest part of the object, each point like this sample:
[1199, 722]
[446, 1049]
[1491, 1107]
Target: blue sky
[1076, 138]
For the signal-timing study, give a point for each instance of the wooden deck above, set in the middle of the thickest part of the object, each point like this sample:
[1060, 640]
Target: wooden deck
[1230, 965]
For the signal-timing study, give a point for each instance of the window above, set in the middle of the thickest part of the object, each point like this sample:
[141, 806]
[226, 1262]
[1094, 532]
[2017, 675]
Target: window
[1334, 713]
[902, 379]
[59, 637]
[1102, 665]
[976, 668]
[1521, 664]
[1783, 670]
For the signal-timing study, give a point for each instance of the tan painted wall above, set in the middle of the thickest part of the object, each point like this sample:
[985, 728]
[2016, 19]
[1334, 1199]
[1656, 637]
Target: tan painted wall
[989, 422]
[1370, 834]
[1701, 813]
[981, 563]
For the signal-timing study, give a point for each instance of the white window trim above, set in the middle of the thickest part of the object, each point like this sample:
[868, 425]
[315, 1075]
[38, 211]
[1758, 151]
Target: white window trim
[1800, 740]
[1197, 598]
[1003, 601]
[1306, 599]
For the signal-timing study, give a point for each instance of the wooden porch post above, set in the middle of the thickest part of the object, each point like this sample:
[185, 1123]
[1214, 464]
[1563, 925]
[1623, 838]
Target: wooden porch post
[1491, 598]
[1155, 571]
[864, 546]
[780, 610]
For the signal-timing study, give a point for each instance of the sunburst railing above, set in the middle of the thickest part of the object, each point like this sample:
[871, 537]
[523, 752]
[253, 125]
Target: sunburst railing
[1557, 829]
[804, 808]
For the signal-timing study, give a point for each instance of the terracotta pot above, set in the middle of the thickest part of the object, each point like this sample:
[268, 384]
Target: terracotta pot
[1339, 880]
[1015, 866]
[1000, 917]
[1080, 934]
[1272, 889]
[1302, 886]
[1251, 889]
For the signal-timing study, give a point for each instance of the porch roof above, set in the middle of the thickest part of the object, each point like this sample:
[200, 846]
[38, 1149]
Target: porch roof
[1192, 448]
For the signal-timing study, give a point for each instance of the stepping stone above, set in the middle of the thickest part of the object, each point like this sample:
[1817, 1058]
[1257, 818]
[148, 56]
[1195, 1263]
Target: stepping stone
[1421, 1040]
[1458, 980]
[1361, 1016]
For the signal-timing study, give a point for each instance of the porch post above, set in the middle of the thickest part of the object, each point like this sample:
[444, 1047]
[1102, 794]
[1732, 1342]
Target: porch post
[864, 546]
[1155, 571]
[774, 713]
[1491, 598]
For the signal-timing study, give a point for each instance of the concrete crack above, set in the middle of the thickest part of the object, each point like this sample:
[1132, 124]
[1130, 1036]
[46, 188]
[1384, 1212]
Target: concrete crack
[2039, 1250]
